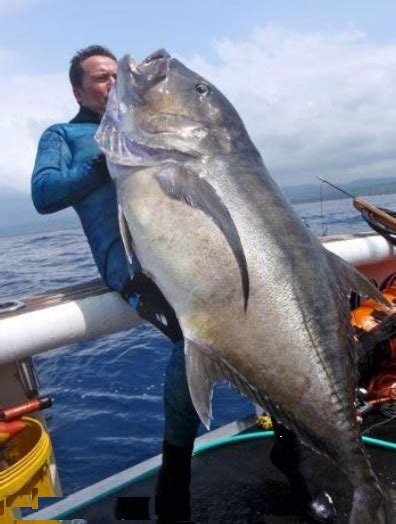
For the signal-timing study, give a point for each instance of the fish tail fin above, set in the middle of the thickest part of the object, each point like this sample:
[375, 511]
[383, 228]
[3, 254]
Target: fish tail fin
[371, 505]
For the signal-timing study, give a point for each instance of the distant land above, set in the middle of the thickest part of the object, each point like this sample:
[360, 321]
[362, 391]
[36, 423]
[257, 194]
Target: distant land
[17, 213]
[320, 191]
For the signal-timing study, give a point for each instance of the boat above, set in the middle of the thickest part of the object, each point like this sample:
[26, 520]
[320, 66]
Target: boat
[232, 478]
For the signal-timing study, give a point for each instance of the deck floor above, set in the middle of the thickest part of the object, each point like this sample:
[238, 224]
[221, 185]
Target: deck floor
[237, 484]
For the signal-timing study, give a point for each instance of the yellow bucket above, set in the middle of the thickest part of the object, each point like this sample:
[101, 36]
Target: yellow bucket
[27, 475]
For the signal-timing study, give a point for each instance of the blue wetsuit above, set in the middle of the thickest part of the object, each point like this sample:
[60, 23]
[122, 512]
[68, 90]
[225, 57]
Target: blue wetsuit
[66, 174]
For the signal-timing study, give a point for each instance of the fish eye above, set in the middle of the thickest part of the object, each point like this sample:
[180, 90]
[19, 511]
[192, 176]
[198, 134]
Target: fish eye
[202, 88]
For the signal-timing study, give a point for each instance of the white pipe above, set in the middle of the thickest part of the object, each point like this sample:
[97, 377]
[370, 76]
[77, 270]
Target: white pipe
[361, 251]
[48, 328]
[33, 332]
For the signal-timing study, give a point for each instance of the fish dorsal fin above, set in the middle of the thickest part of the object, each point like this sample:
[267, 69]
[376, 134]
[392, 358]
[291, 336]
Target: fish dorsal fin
[125, 236]
[353, 280]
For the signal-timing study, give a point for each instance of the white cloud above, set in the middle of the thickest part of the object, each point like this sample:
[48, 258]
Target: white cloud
[314, 104]
[29, 104]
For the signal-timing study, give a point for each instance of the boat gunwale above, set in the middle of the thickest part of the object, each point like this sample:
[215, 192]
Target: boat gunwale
[122, 479]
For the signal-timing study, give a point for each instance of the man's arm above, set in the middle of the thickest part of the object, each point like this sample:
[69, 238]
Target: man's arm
[55, 184]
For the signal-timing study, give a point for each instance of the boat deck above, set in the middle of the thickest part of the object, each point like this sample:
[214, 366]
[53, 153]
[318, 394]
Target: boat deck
[237, 483]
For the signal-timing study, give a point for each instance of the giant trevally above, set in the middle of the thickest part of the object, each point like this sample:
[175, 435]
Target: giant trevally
[260, 302]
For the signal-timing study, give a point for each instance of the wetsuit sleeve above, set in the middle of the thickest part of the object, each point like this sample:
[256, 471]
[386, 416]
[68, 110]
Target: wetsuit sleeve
[55, 184]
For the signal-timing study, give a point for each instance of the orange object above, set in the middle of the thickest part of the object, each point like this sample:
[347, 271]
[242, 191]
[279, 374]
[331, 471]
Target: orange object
[9, 429]
[381, 388]
[20, 410]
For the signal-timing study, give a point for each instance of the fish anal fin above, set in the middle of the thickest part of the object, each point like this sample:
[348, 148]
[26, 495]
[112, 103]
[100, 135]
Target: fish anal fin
[204, 371]
[202, 374]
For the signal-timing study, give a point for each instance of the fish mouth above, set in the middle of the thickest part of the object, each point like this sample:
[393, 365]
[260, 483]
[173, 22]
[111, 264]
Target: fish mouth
[141, 77]
[158, 60]
[133, 82]
[123, 141]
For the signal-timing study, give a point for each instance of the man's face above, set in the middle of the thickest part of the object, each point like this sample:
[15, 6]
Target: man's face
[99, 75]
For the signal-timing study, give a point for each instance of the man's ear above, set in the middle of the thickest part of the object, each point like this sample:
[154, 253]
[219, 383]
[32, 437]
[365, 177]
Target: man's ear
[77, 91]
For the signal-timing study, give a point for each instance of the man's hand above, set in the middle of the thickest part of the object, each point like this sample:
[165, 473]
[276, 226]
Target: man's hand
[99, 164]
[150, 303]
[95, 168]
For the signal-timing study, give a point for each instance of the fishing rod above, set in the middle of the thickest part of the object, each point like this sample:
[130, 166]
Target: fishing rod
[336, 187]
[382, 220]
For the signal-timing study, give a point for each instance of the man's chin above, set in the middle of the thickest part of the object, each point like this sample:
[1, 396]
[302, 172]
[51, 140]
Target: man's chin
[102, 110]
[98, 110]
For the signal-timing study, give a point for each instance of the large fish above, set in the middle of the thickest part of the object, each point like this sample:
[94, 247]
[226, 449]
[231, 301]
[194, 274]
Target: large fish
[260, 302]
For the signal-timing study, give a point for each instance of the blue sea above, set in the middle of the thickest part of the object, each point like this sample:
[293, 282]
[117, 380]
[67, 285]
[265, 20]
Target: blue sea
[107, 413]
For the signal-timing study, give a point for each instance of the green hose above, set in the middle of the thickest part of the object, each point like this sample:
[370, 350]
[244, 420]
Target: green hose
[386, 444]
[232, 440]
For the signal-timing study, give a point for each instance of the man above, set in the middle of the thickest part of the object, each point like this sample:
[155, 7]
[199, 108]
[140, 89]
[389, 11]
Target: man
[70, 171]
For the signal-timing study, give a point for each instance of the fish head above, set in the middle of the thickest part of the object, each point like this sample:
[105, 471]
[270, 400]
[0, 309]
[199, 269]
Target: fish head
[159, 110]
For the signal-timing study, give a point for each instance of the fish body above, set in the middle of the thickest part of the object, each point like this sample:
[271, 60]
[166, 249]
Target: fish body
[260, 302]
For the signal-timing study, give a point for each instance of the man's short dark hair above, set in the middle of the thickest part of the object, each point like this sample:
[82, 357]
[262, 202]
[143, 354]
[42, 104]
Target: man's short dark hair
[76, 71]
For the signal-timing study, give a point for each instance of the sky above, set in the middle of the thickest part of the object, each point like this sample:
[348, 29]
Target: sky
[313, 80]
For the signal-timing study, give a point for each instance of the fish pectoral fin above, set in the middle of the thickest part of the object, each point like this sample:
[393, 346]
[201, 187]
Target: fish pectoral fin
[202, 373]
[126, 237]
[352, 279]
[181, 184]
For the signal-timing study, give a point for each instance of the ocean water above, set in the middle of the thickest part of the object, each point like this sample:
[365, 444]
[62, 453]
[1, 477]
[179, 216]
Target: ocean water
[107, 413]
